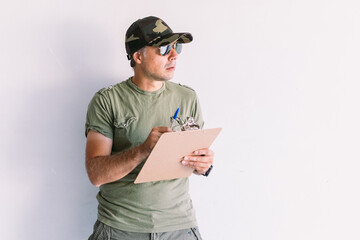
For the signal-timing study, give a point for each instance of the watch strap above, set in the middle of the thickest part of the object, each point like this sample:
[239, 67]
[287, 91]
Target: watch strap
[208, 171]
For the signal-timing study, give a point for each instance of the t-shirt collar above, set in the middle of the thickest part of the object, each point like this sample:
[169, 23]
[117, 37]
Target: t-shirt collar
[139, 90]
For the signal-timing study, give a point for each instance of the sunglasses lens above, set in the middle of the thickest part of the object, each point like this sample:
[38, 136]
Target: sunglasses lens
[165, 50]
[178, 47]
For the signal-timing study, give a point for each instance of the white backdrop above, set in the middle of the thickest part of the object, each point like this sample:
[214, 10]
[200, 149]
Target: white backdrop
[281, 78]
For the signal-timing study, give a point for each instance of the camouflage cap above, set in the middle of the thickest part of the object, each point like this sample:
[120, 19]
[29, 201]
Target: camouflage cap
[151, 31]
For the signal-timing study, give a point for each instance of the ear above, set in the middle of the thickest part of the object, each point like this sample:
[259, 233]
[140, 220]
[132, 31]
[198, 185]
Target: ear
[137, 56]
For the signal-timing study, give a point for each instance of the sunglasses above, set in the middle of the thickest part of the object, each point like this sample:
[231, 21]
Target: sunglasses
[164, 50]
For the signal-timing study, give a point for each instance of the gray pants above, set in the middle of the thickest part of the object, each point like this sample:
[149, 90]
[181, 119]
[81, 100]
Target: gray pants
[105, 232]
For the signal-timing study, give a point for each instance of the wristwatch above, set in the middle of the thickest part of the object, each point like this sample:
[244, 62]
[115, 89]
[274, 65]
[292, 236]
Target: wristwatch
[208, 171]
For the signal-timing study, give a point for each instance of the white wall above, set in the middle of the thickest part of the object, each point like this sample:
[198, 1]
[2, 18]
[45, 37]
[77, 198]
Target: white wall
[281, 78]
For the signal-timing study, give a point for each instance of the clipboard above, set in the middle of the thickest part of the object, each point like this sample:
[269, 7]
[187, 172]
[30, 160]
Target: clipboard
[164, 162]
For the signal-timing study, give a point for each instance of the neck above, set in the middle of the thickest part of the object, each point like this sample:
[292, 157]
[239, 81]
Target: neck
[146, 84]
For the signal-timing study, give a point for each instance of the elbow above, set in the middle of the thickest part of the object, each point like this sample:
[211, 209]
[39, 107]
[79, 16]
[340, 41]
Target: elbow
[94, 180]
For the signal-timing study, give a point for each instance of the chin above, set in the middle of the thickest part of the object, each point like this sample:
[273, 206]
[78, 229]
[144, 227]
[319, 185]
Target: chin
[166, 78]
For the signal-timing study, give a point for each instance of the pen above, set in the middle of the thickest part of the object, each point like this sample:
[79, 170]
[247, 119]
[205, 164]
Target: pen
[174, 117]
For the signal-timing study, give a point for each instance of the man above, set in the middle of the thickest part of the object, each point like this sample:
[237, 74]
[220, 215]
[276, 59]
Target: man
[123, 124]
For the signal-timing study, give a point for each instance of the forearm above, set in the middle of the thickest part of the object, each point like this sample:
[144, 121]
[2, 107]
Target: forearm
[105, 169]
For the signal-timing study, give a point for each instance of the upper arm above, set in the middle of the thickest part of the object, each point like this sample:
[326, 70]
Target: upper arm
[99, 117]
[97, 145]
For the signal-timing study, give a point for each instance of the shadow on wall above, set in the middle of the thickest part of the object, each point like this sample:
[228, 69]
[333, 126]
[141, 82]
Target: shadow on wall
[63, 204]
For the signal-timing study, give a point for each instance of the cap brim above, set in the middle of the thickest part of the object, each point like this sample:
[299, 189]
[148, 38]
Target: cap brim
[170, 38]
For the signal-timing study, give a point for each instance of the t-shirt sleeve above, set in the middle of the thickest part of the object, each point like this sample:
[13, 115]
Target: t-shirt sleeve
[99, 116]
[196, 112]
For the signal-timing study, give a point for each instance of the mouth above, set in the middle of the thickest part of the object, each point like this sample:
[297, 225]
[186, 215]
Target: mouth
[170, 67]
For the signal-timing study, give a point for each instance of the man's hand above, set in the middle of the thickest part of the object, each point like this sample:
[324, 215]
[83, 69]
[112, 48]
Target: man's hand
[102, 167]
[200, 160]
[154, 137]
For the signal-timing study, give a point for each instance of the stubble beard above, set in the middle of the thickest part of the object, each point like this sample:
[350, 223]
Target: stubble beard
[160, 77]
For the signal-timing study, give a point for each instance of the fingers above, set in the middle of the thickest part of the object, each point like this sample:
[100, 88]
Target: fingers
[200, 160]
[154, 137]
[197, 161]
[204, 152]
[200, 165]
[156, 132]
[161, 129]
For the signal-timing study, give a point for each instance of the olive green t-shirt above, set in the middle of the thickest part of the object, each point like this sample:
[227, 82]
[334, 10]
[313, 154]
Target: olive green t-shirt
[126, 114]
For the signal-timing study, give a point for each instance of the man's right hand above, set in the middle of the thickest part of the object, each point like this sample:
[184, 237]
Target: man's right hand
[154, 137]
[102, 167]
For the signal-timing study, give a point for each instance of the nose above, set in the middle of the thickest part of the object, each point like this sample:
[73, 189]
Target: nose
[173, 54]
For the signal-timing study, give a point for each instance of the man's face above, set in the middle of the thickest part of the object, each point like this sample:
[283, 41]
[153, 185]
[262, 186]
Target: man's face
[157, 67]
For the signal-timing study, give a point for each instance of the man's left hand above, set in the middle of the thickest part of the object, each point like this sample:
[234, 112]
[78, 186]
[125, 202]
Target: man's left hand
[200, 160]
